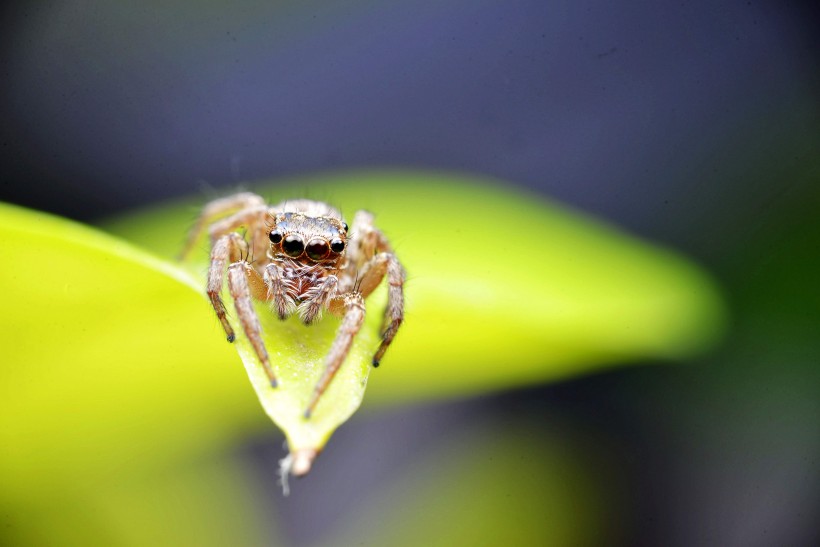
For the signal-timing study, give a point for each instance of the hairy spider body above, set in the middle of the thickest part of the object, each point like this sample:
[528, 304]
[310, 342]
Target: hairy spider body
[311, 264]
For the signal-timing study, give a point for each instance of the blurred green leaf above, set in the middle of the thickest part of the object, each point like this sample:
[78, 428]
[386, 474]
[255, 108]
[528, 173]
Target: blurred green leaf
[114, 366]
[504, 288]
[106, 386]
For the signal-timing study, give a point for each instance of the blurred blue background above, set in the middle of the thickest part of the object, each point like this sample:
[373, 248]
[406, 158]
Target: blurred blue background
[693, 124]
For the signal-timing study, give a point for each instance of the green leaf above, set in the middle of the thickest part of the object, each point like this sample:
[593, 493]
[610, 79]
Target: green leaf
[504, 288]
[106, 386]
[114, 367]
[298, 353]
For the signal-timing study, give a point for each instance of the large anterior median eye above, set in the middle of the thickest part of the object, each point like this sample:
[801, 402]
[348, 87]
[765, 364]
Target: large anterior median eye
[317, 248]
[293, 245]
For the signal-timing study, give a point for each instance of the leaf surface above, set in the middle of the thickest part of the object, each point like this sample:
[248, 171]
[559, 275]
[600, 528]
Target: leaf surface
[106, 346]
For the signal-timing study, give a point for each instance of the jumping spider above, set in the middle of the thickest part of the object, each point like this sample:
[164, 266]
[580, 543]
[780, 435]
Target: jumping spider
[312, 263]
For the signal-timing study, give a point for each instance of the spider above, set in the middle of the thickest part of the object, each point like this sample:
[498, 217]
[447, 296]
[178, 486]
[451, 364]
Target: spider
[312, 263]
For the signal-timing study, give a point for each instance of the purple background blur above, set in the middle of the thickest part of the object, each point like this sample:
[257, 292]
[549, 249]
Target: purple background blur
[694, 124]
[636, 111]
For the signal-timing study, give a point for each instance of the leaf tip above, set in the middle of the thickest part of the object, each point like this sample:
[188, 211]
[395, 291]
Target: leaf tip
[302, 461]
[296, 463]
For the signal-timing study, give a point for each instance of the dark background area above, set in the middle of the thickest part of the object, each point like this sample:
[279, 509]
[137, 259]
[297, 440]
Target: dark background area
[692, 124]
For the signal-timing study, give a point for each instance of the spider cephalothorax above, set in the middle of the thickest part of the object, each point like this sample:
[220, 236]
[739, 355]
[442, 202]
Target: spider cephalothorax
[312, 264]
[308, 245]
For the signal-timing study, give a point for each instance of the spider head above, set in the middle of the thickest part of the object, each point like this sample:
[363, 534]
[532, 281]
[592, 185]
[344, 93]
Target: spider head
[306, 238]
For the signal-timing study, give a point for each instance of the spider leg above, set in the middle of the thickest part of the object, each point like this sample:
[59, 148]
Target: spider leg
[381, 265]
[361, 246]
[249, 218]
[239, 273]
[316, 299]
[215, 209]
[279, 290]
[352, 322]
[228, 248]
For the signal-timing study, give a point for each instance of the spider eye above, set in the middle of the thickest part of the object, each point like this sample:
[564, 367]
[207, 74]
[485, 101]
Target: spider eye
[337, 245]
[344, 225]
[275, 236]
[317, 249]
[293, 245]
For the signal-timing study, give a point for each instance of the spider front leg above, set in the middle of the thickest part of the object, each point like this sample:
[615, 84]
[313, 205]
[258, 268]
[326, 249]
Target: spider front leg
[216, 209]
[241, 279]
[228, 248]
[353, 305]
[381, 265]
